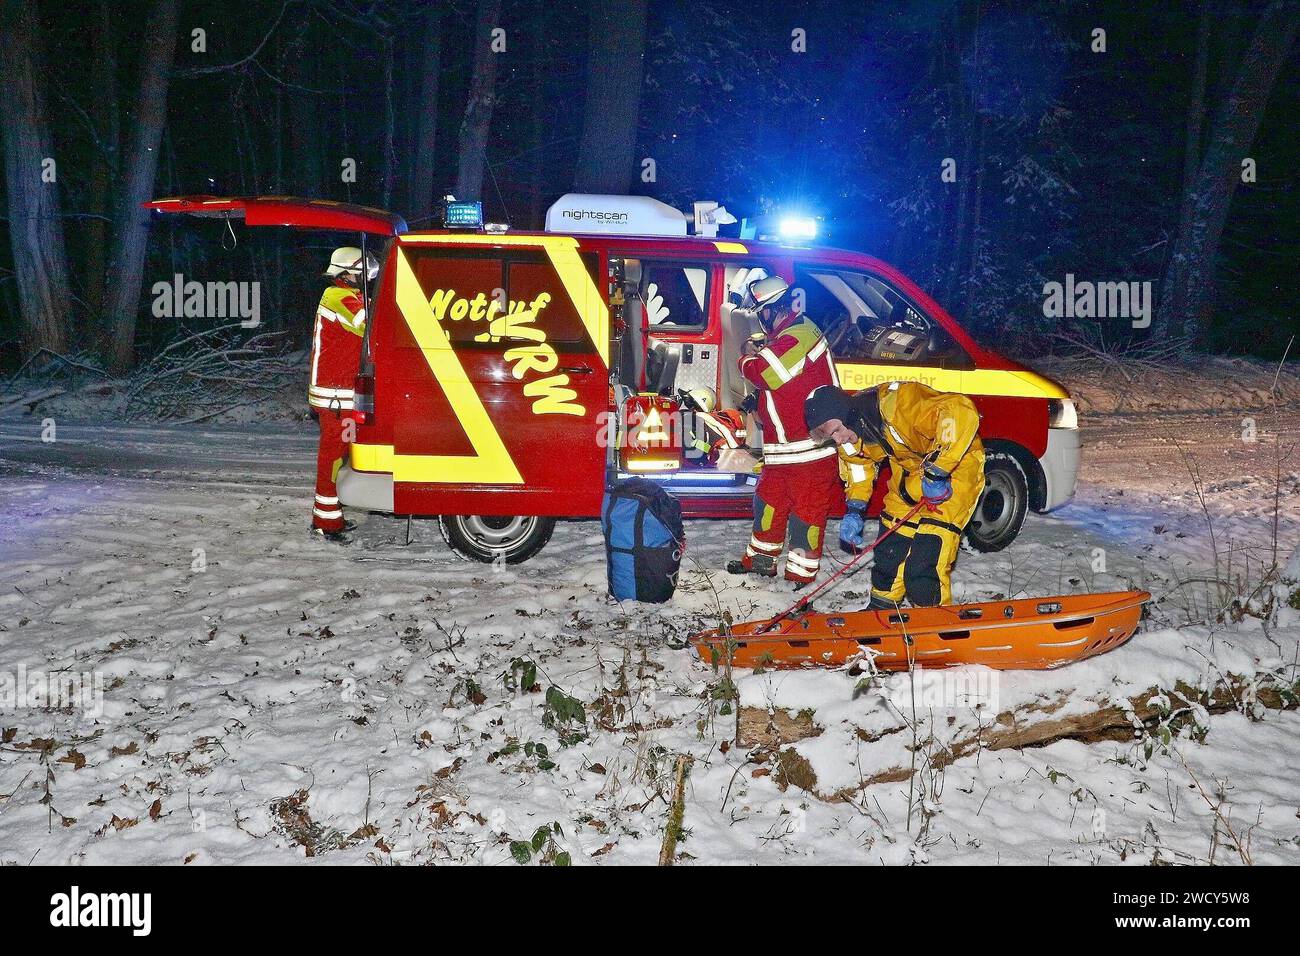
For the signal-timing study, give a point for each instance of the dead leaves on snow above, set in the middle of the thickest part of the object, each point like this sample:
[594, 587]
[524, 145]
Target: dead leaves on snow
[74, 757]
[293, 819]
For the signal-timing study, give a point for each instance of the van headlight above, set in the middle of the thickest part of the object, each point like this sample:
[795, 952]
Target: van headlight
[1061, 414]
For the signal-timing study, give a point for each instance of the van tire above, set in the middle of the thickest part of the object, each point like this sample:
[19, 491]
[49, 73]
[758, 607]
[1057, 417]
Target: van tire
[493, 538]
[1003, 504]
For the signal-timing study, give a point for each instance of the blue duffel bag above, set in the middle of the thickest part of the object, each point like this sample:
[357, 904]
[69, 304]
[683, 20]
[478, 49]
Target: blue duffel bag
[644, 540]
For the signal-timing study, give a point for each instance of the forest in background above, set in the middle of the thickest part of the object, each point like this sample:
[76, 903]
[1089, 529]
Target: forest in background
[1123, 165]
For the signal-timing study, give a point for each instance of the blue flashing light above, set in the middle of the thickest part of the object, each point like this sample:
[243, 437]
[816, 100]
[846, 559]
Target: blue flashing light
[464, 215]
[798, 228]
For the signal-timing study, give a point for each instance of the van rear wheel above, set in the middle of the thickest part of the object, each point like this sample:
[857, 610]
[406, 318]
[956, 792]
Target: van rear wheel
[492, 538]
[1002, 506]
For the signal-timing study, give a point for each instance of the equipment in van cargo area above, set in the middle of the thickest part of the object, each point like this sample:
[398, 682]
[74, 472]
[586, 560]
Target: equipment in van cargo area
[1024, 634]
[644, 541]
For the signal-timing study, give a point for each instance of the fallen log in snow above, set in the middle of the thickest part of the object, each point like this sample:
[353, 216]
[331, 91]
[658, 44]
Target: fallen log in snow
[9, 403]
[1153, 713]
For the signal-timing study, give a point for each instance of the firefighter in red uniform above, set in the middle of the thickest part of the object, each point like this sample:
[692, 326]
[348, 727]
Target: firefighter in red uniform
[800, 484]
[335, 358]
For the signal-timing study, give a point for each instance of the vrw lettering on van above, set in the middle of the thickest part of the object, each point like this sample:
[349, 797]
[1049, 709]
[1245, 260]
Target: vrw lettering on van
[519, 321]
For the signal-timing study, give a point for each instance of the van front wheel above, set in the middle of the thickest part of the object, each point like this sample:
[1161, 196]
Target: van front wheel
[493, 538]
[1002, 506]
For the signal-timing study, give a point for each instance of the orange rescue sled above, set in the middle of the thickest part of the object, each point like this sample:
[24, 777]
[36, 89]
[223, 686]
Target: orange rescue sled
[1025, 634]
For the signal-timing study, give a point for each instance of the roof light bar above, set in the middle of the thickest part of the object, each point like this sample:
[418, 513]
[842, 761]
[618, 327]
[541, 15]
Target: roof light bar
[463, 215]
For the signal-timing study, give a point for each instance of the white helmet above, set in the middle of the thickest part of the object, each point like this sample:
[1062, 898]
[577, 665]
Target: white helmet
[703, 399]
[348, 260]
[765, 292]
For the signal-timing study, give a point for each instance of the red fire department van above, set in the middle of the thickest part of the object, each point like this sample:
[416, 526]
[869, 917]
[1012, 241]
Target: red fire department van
[509, 377]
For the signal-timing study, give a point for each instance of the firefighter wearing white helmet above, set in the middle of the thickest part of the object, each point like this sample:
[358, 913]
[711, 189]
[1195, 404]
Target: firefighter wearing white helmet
[799, 486]
[347, 262]
[335, 359]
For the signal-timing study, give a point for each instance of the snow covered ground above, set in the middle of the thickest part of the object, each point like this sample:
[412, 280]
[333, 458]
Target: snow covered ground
[265, 697]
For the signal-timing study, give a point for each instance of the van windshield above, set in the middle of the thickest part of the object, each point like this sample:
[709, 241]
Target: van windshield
[866, 319]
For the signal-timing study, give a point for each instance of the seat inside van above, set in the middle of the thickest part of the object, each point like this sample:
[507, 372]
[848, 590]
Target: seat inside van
[737, 326]
[631, 356]
[671, 297]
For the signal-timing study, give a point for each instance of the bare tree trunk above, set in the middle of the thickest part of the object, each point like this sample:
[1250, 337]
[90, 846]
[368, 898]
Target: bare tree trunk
[969, 302]
[1196, 102]
[99, 200]
[276, 309]
[615, 69]
[390, 123]
[306, 132]
[138, 168]
[1191, 149]
[482, 100]
[970, 132]
[1186, 295]
[426, 135]
[35, 214]
[539, 123]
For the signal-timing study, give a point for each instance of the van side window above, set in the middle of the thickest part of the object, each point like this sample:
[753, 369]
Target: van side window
[675, 295]
[493, 302]
[537, 296]
[865, 319]
[458, 289]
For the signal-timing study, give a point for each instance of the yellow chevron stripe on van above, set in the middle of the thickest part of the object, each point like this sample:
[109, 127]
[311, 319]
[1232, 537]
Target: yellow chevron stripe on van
[981, 381]
[491, 462]
[736, 247]
[563, 253]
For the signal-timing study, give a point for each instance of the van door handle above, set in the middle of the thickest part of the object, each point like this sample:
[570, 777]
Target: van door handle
[576, 369]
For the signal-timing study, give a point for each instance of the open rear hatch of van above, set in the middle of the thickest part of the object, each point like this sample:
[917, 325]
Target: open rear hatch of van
[288, 211]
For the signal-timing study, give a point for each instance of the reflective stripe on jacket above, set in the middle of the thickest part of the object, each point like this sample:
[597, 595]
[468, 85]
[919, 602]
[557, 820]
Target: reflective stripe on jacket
[336, 348]
[795, 361]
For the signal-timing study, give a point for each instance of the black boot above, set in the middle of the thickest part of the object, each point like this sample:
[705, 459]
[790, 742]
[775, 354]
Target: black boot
[738, 567]
[333, 537]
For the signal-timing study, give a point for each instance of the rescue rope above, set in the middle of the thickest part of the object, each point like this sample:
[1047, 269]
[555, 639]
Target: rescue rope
[807, 599]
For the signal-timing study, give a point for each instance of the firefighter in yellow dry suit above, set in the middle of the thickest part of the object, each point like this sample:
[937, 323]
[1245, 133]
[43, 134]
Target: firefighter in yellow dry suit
[930, 441]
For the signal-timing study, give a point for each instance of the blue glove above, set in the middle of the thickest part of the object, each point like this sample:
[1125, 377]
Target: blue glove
[852, 525]
[936, 486]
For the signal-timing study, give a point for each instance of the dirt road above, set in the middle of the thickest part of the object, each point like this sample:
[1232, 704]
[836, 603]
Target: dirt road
[1153, 453]
[1163, 452]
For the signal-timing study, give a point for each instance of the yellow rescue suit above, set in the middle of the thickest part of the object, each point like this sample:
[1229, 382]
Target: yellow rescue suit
[921, 427]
